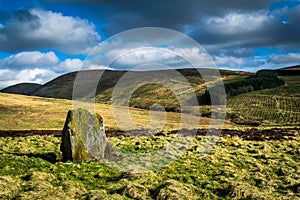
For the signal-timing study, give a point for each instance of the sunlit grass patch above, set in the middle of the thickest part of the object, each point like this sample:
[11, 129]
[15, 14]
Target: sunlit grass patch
[234, 169]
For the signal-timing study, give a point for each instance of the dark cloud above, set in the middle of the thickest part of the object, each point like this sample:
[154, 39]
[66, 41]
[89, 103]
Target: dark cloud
[293, 15]
[174, 14]
[40, 29]
[253, 30]
[285, 58]
[12, 33]
[23, 17]
[234, 51]
[191, 17]
[225, 28]
[158, 5]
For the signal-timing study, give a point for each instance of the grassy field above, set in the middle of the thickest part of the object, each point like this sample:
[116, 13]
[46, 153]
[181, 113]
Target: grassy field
[19, 112]
[235, 169]
[271, 107]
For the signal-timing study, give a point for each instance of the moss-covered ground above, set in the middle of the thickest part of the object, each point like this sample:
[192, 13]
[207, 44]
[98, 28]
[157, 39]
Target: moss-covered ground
[30, 168]
[236, 168]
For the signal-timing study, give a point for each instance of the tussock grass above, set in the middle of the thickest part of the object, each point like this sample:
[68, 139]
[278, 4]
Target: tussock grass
[234, 169]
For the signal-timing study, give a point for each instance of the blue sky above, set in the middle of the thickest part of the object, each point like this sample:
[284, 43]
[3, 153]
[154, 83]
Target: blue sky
[40, 40]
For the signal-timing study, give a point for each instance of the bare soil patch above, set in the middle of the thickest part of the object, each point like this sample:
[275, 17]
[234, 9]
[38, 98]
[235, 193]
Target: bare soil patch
[250, 134]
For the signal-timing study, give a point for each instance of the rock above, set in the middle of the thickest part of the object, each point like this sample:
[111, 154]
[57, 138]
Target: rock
[83, 136]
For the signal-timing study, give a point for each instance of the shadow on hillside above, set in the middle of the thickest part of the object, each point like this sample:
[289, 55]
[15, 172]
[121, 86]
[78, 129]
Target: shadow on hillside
[50, 156]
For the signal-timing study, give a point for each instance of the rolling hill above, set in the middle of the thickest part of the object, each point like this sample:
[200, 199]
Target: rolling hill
[296, 67]
[22, 88]
[273, 93]
[62, 86]
[275, 106]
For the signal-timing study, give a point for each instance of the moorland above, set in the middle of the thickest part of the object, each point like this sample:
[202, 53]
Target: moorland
[256, 157]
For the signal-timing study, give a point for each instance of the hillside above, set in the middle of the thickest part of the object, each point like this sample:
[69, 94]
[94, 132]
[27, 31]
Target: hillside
[296, 67]
[276, 106]
[62, 86]
[23, 88]
[271, 102]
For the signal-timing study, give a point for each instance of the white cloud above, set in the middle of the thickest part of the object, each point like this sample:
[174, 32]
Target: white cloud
[69, 65]
[229, 61]
[130, 57]
[145, 55]
[233, 23]
[76, 64]
[37, 75]
[6, 75]
[29, 59]
[290, 58]
[150, 45]
[198, 57]
[95, 66]
[38, 28]
[133, 56]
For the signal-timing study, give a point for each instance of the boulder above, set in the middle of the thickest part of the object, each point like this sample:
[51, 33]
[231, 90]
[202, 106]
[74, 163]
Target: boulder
[83, 136]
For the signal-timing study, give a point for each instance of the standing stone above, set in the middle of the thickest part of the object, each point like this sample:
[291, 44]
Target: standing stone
[83, 136]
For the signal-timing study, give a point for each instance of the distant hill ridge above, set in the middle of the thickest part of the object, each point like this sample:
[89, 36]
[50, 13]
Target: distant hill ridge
[235, 82]
[23, 88]
[296, 67]
[62, 86]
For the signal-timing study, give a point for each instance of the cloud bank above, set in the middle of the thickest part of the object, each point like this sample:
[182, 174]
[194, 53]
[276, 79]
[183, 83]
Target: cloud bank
[241, 35]
[41, 29]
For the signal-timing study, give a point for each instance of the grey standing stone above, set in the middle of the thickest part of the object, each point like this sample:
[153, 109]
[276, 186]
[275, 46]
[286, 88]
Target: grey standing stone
[83, 136]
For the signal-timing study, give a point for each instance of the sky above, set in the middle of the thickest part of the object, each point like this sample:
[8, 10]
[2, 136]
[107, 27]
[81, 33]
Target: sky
[40, 40]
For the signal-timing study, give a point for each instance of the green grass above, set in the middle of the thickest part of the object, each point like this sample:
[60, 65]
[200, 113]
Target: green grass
[271, 107]
[235, 169]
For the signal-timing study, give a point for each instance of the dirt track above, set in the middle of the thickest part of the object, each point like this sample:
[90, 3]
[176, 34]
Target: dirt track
[251, 134]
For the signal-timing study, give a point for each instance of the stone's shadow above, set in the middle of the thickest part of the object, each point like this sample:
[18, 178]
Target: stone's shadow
[50, 157]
